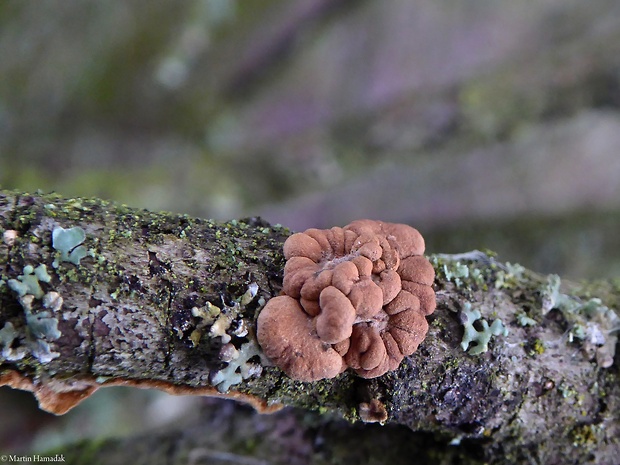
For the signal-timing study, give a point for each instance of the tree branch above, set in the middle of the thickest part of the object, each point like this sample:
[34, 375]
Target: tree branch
[169, 302]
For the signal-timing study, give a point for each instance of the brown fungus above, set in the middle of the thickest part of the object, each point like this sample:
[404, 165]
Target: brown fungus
[354, 297]
[373, 411]
[288, 338]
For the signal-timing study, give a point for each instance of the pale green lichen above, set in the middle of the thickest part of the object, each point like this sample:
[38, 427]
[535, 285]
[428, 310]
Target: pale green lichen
[19, 339]
[32, 338]
[68, 243]
[525, 320]
[218, 323]
[42, 325]
[41, 273]
[509, 276]
[28, 282]
[207, 315]
[461, 269]
[11, 351]
[595, 324]
[481, 337]
[457, 272]
[551, 295]
[220, 326]
[239, 368]
[249, 295]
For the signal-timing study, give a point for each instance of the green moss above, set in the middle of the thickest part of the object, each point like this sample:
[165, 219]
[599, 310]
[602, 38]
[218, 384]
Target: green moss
[451, 363]
[583, 435]
[333, 394]
[538, 348]
[566, 391]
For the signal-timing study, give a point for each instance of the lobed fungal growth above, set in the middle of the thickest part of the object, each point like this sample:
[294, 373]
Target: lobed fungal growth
[354, 297]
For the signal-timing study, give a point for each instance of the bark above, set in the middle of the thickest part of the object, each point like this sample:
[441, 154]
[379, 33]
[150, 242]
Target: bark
[156, 297]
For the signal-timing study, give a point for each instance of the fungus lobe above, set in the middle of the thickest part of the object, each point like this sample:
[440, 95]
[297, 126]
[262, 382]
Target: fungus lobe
[353, 297]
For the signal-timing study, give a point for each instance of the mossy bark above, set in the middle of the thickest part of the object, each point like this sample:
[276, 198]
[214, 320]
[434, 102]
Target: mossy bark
[128, 315]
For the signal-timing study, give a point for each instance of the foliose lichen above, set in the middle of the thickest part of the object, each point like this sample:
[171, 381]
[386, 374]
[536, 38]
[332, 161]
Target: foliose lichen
[240, 357]
[207, 316]
[457, 272]
[462, 269]
[481, 338]
[28, 282]
[592, 322]
[239, 367]
[551, 296]
[31, 335]
[510, 276]
[68, 243]
[8, 335]
[524, 320]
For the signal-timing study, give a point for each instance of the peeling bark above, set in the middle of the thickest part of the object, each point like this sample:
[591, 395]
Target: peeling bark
[161, 301]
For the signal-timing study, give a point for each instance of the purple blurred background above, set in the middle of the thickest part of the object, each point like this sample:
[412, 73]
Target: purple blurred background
[484, 124]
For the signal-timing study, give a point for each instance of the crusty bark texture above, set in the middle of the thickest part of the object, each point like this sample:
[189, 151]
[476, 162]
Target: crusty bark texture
[169, 301]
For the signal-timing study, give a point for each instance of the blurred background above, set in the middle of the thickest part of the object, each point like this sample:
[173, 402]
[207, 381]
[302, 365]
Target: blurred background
[484, 124]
